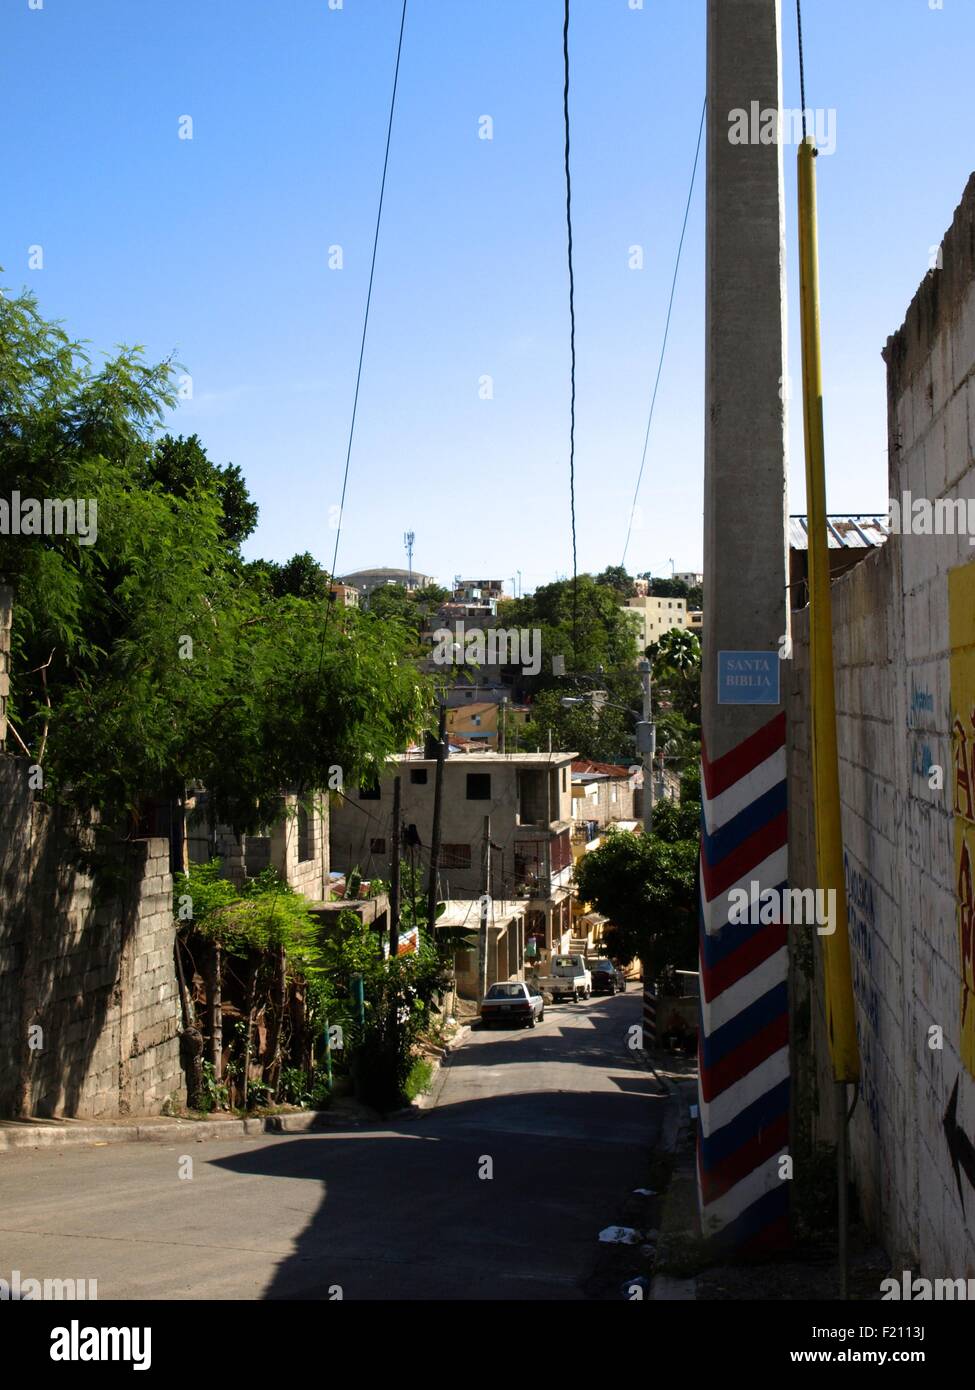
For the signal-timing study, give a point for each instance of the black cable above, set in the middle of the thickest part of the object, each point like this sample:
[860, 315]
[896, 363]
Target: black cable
[663, 348]
[365, 326]
[572, 341]
[802, 69]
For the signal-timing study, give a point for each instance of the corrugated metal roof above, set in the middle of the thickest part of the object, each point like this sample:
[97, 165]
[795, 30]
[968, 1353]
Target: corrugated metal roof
[845, 530]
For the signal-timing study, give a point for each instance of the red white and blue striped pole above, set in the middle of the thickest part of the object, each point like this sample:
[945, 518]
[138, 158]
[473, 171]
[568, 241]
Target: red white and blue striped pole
[743, 1038]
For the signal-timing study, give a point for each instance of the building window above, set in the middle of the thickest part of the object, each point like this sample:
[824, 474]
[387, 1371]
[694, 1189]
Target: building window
[418, 776]
[479, 786]
[306, 835]
[377, 846]
[563, 779]
[369, 793]
[455, 856]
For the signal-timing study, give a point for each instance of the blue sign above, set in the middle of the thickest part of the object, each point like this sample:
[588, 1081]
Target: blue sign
[748, 678]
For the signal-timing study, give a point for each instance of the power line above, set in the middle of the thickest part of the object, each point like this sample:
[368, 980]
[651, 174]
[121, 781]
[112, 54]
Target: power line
[572, 339]
[802, 68]
[365, 322]
[663, 348]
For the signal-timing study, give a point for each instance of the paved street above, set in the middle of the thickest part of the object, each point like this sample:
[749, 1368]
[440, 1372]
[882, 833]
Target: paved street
[563, 1113]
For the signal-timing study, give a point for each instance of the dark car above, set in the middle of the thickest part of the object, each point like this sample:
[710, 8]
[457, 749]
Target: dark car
[607, 978]
[512, 1003]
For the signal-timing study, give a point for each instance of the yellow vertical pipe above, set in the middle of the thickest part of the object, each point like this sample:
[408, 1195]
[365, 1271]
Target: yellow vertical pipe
[840, 1011]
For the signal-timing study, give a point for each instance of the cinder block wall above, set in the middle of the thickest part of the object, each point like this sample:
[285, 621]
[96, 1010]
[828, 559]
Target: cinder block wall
[91, 967]
[893, 656]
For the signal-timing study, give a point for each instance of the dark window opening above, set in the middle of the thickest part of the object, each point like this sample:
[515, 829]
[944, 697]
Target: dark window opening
[479, 786]
[306, 836]
[418, 776]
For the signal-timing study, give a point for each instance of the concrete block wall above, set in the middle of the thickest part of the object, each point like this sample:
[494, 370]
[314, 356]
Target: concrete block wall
[893, 658]
[87, 962]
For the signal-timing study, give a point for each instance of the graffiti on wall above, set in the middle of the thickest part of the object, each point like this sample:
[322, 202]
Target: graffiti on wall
[861, 915]
[961, 614]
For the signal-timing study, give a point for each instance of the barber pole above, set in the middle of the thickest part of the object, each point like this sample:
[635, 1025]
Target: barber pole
[649, 1016]
[744, 1034]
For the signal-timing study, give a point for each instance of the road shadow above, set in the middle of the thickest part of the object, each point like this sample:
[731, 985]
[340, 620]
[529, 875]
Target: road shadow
[486, 1199]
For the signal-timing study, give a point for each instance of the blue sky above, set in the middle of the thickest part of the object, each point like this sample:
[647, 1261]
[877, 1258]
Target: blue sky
[217, 248]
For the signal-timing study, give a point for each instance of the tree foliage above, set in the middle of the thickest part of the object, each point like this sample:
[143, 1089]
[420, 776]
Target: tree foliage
[586, 625]
[602, 733]
[647, 887]
[152, 656]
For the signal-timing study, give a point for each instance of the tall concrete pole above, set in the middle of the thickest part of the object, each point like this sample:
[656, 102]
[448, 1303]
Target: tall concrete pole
[744, 1066]
[646, 740]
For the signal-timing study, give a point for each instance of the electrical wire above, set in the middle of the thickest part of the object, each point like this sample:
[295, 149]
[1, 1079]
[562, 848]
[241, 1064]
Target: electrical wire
[663, 348]
[365, 325]
[802, 68]
[572, 340]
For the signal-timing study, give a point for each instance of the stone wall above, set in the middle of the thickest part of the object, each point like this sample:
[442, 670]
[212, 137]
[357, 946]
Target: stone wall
[89, 1004]
[904, 644]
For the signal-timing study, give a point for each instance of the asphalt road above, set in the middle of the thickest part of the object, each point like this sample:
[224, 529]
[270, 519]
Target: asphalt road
[560, 1116]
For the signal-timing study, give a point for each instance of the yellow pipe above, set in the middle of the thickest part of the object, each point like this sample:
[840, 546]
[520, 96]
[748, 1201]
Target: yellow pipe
[840, 1011]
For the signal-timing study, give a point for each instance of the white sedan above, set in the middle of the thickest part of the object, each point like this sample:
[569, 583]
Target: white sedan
[512, 1003]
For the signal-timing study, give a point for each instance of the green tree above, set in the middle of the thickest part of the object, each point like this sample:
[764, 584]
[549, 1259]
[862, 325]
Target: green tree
[586, 626]
[647, 887]
[676, 660]
[615, 577]
[152, 657]
[300, 577]
[667, 588]
[180, 466]
[602, 733]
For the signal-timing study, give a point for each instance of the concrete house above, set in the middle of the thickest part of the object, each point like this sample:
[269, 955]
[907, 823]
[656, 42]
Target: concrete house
[526, 797]
[604, 792]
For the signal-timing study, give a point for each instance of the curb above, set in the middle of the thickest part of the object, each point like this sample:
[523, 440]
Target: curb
[429, 1098]
[677, 1129]
[32, 1135]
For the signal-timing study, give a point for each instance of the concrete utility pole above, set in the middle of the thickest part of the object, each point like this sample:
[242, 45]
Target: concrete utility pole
[646, 742]
[482, 936]
[394, 882]
[437, 814]
[742, 1195]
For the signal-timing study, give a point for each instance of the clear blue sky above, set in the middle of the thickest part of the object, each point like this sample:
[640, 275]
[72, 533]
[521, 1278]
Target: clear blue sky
[217, 248]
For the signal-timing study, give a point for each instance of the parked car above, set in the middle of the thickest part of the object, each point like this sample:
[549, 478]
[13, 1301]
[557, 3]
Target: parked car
[607, 978]
[569, 978]
[512, 1003]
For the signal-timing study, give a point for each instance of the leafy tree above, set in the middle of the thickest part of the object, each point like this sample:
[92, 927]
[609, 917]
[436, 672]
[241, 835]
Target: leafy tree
[152, 657]
[667, 588]
[587, 627]
[181, 466]
[676, 662]
[604, 734]
[647, 887]
[300, 577]
[431, 596]
[616, 577]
